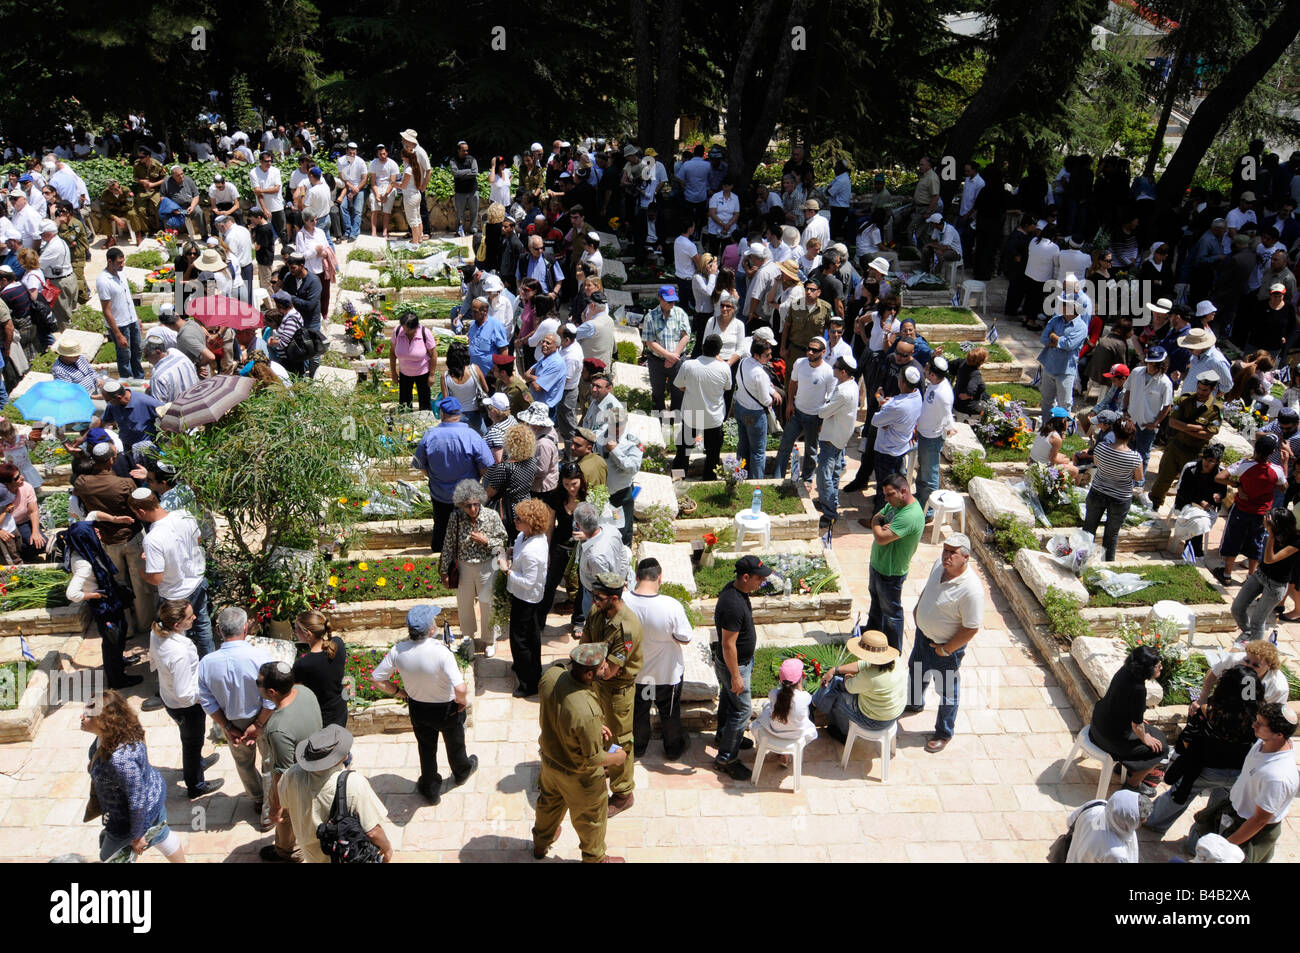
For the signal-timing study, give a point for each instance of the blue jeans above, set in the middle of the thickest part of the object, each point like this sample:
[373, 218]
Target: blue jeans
[201, 631]
[353, 209]
[751, 442]
[1143, 441]
[4, 392]
[886, 612]
[830, 467]
[110, 844]
[128, 358]
[1057, 391]
[923, 665]
[841, 707]
[734, 709]
[1166, 810]
[799, 425]
[927, 467]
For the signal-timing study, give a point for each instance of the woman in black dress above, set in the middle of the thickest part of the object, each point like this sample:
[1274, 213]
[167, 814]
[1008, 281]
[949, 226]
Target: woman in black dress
[321, 668]
[1117, 721]
[563, 500]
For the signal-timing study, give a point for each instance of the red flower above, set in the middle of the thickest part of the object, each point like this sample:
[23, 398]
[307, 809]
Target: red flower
[408, 567]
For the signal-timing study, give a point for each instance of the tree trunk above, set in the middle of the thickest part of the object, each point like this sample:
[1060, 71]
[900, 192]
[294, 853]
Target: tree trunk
[645, 80]
[750, 123]
[1227, 96]
[986, 105]
[666, 93]
[1171, 93]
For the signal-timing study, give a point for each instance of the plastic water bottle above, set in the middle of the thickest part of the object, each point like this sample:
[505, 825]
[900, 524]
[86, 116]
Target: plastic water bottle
[756, 506]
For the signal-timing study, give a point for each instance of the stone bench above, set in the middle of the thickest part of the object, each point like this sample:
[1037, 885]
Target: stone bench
[963, 441]
[656, 490]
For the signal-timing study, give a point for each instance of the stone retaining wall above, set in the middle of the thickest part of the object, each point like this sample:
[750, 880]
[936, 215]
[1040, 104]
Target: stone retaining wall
[792, 608]
[61, 620]
[22, 723]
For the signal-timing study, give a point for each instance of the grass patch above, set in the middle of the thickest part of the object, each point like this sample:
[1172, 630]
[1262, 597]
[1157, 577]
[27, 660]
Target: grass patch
[997, 353]
[361, 254]
[1067, 515]
[1069, 446]
[816, 659]
[1029, 396]
[1180, 583]
[362, 581]
[711, 580]
[87, 318]
[352, 283]
[939, 315]
[11, 680]
[148, 260]
[713, 500]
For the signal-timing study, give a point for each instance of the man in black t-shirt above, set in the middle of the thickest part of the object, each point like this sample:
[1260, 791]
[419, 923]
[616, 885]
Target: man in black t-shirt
[733, 661]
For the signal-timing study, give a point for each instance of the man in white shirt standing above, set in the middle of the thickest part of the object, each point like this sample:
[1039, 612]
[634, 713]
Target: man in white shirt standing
[839, 415]
[239, 242]
[705, 381]
[434, 689]
[947, 616]
[119, 314]
[685, 258]
[382, 179]
[811, 383]
[970, 190]
[352, 170]
[932, 427]
[174, 561]
[56, 266]
[1261, 797]
[815, 226]
[269, 192]
[24, 219]
[664, 630]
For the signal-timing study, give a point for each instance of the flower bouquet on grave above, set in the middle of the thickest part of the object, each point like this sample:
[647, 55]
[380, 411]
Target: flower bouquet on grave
[160, 279]
[169, 238]
[732, 473]
[1003, 424]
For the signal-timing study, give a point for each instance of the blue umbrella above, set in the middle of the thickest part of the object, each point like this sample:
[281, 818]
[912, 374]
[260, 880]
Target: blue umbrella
[56, 402]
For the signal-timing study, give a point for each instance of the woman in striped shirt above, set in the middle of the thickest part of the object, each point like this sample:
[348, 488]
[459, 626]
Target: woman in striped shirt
[1116, 469]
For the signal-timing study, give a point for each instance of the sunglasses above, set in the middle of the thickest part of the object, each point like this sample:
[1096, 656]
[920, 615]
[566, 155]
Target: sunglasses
[816, 350]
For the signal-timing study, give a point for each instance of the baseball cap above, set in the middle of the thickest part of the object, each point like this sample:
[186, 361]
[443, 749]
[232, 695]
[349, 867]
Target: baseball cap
[1108, 418]
[25, 177]
[17, 194]
[959, 541]
[753, 566]
[765, 334]
[1277, 288]
[935, 219]
[1155, 354]
[500, 402]
[1060, 412]
[282, 297]
[1117, 370]
[449, 405]
[668, 292]
[419, 620]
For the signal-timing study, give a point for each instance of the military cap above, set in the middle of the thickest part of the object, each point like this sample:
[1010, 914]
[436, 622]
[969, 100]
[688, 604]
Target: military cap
[588, 654]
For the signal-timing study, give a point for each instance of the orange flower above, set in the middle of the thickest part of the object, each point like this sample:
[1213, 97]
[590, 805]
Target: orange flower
[408, 567]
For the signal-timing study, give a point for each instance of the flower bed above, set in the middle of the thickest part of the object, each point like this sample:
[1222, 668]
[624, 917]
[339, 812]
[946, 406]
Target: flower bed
[816, 660]
[33, 589]
[1177, 582]
[713, 500]
[808, 575]
[396, 577]
[13, 674]
[385, 715]
[800, 523]
[1021, 393]
[932, 315]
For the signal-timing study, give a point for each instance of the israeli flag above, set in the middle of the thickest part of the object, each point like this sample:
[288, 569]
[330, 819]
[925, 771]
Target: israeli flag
[1038, 377]
[1189, 554]
[992, 336]
[1273, 637]
[828, 537]
[26, 649]
[956, 301]
[1284, 373]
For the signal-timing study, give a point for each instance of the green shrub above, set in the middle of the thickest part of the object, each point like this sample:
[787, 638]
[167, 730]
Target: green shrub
[1063, 613]
[611, 281]
[965, 467]
[1010, 536]
[361, 254]
[635, 400]
[148, 260]
[628, 352]
[1231, 456]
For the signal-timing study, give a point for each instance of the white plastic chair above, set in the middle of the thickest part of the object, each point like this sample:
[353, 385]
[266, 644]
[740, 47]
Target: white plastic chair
[765, 744]
[1177, 613]
[1083, 745]
[885, 738]
[759, 524]
[972, 288]
[949, 507]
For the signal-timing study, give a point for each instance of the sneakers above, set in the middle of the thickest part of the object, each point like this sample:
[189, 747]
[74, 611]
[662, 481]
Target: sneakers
[490, 650]
[734, 769]
[1223, 578]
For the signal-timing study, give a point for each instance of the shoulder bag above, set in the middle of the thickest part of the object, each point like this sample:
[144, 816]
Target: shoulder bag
[1060, 848]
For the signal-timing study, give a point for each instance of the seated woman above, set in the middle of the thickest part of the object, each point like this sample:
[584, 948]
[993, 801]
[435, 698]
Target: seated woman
[870, 693]
[1105, 832]
[1046, 448]
[1117, 721]
[786, 717]
[1210, 751]
[1261, 657]
[968, 388]
[23, 516]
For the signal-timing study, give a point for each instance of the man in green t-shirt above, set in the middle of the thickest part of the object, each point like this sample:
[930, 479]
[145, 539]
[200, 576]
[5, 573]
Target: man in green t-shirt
[296, 718]
[897, 529]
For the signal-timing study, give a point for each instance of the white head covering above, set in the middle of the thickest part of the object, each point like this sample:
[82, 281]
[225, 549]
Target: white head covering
[1107, 835]
[1216, 849]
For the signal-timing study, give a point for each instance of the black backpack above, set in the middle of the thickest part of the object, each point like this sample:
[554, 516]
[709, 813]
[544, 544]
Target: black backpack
[341, 837]
[307, 344]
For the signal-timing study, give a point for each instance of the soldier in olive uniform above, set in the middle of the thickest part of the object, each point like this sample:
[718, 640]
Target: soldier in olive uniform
[115, 206]
[149, 178]
[574, 757]
[72, 231]
[617, 627]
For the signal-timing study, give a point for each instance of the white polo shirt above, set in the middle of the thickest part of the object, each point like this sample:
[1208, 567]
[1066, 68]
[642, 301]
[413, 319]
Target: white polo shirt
[428, 669]
[117, 292]
[270, 179]
[945, 607]
[1147, 395]
[173, 547]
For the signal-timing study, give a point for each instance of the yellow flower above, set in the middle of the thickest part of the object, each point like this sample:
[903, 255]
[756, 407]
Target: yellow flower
[334, 581]
[365, 502]
[362, 566]
[342, 500]
[381, 582]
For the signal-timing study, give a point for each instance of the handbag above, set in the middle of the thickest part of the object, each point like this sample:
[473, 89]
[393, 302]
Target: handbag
[1060, 848]
[93, 810]
[50, 292]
